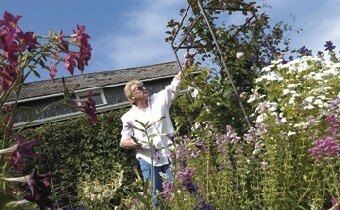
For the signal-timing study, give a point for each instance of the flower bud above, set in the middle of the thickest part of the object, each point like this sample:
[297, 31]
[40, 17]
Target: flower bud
[9, 149]
[239, 55]
[17, 179]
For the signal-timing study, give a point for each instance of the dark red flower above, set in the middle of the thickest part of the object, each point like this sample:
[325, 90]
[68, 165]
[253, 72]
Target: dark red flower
[70, 62]
[27, 39]
[89, 108]
[40, 188]
[3, 37]
[83, 57]
[81, 37]
[7, 76]
[53, 69]
[23, 150]
[10, 21]
[63, 44]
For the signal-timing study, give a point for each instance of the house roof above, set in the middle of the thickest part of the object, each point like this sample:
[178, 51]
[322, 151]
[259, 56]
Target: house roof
[98, 79]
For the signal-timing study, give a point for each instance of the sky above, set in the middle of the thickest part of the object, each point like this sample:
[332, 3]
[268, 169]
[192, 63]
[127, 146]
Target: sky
[131, 33]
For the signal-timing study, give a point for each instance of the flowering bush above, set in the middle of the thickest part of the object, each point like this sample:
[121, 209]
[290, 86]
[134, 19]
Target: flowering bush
[24, 53]
[287, 160]
[297, 120]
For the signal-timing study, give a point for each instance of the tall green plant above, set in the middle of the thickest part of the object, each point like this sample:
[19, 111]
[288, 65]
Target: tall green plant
[24, 53]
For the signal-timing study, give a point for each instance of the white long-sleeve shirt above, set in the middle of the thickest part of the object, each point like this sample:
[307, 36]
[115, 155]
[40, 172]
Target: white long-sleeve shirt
[159, 106]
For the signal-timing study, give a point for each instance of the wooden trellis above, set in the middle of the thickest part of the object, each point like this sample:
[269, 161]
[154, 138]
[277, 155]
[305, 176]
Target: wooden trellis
[203, 16]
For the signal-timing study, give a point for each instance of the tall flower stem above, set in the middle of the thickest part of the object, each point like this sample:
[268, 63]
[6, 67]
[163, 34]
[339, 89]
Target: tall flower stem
[150, 143]
[308, 188]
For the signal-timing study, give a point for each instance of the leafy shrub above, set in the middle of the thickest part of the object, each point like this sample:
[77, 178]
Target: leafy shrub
[76, 152]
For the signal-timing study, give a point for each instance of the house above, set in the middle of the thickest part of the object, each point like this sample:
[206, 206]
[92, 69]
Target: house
[107, 90]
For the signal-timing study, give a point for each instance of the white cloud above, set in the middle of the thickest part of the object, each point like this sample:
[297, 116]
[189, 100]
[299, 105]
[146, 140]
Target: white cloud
[140, 40]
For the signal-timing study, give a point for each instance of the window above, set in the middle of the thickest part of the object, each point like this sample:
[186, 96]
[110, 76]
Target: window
[97, 95]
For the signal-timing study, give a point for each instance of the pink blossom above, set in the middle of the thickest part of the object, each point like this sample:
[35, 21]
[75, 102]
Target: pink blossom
[167, 187]
[53, 69]
[325, 146]
[70, 62]
[62, 43]
[333, 125]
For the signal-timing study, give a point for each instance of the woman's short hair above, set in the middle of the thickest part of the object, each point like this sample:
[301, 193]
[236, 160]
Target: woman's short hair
[127, 89]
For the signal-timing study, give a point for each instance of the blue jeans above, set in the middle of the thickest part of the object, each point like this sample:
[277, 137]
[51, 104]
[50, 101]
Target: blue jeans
[157, 181]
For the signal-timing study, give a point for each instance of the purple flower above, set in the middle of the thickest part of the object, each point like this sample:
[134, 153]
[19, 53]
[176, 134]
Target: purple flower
[320, 54]
[183, 163]
[186, 177]
[171, 136]
[325, 146]
[167, 187]
[230, 136]
[204, 206]
[335, 203]
[189, 185]
[333, 125]
[155, 153]
[73, 208]
[221, 167]
[8, 76]
[11, 22]
[23, 150]
[40, 189]
[200, 144]
[89, 108]
[329, 46]
[182, 151]
[334, 103]
[249, 136]
[81, 39]
[273, 49]
[303, 51]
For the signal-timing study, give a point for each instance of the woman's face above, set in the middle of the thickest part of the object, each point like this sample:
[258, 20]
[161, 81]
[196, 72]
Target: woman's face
[139, 92]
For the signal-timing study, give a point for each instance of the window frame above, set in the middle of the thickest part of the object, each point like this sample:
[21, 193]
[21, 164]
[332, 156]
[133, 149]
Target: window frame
[85, 93]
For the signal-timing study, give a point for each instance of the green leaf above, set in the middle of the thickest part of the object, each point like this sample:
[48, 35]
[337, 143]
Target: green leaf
[36, 73]
[41, 62]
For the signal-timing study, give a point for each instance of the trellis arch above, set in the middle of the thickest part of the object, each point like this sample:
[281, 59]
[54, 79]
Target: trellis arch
[203, 16]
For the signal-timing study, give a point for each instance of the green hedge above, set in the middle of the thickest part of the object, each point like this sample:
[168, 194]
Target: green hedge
[73, 150]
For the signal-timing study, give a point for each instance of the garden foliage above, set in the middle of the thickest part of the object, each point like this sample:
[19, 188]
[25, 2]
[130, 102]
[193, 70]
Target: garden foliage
[88, 166]
[288, 160]
[22, 54]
